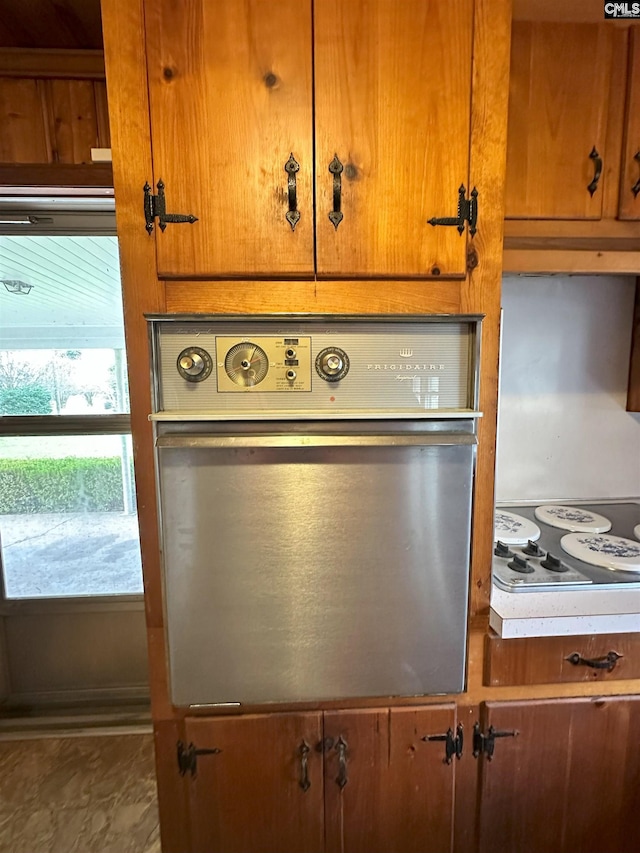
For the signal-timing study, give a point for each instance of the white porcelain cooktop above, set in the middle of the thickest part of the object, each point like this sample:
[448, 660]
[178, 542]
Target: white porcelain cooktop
[573, 518]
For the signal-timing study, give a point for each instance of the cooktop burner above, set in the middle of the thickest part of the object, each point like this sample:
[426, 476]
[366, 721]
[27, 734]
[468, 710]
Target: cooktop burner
[554, 561]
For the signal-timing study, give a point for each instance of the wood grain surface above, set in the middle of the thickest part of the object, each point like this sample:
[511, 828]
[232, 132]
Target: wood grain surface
[556, 118]
[230, 95]
[568, 782]
[248, 797]
[630, 173]
[392, 100]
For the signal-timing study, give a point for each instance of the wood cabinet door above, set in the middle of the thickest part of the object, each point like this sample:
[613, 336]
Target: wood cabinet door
[386, 789]
[558, 96]
[630, 176]
[256, 795]
[230, 101]
[569, 782]
[392, 102]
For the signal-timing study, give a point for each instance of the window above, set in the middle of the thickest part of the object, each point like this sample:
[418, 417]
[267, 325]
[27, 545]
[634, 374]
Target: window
[68, 524]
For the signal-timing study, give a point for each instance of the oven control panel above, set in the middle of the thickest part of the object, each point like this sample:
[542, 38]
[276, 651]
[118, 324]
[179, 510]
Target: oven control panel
[266, 363]
[255, 367]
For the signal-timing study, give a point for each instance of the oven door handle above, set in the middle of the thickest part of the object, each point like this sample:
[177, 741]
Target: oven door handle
[309, 441]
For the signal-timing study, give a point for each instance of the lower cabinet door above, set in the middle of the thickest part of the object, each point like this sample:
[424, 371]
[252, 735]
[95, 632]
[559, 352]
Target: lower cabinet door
[387, 788]
[263, 791]
[567, 782]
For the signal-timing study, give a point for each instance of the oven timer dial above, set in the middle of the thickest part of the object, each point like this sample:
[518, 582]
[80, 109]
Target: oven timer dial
[194, 364]
[332, 364]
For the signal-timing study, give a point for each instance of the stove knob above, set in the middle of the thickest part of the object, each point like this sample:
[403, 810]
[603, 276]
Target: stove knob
[554, 564]
[519, 564]
[502, 550]
[332, 364]
[532, 549]
[194, 364]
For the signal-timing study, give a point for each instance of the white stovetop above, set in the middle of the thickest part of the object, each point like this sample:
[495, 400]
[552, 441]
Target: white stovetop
[592, 610]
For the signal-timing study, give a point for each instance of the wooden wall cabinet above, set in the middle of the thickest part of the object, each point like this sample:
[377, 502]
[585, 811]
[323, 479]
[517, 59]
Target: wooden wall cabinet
[380, 93]
[557, 120]
[360, 781]
[565, 157]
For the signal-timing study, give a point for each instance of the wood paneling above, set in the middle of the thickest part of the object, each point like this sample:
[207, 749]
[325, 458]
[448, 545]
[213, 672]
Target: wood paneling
[249, 796]
[73, 121]
[570, 780]
[24, 137]
[543, 660]
[392, 100]
[54, 114]
[230, 94]
[173, 805]
[630, 174]
[555, 119]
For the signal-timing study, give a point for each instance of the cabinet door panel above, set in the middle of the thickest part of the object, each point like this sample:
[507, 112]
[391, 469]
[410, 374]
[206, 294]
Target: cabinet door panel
[392, 98]
[559, 84]
[248, 798]
[630, 180]
[398, 796]
[569, 782]
[230, 99]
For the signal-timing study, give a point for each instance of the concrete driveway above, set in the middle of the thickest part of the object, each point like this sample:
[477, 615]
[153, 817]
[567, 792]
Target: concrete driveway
[69, 554]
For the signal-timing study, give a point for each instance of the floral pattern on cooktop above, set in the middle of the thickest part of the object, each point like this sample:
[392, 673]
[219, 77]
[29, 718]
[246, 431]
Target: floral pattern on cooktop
[571, 513]
[575, 518]
[507, 523]
[612, 545]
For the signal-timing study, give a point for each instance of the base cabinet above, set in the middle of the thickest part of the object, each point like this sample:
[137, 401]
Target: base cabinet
[365, 781]
[556, 775]
[567, 781]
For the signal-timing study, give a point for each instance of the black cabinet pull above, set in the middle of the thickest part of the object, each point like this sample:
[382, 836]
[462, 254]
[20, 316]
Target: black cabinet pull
[607, 662]
[293, 214]
[635, 189]
[336, 167]
[303, 751]
[597, 166]
[341, 749]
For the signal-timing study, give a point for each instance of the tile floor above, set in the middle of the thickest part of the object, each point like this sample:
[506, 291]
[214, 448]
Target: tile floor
[81, 794]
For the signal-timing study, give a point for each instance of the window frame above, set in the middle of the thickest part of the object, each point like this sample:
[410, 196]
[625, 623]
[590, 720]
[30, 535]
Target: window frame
[72, 217]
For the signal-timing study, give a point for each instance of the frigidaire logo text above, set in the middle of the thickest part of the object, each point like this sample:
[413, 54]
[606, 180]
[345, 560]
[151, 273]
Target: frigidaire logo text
[405, 366]
[622, 10]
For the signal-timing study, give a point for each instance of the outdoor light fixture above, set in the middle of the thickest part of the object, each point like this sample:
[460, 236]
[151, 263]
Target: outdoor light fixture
[14, 285]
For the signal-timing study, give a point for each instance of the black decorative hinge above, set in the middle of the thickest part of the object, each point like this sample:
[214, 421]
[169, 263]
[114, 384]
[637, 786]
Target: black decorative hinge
[155, 206]
[487, 743]
[452, 745]
[188, 757]
[467, 212]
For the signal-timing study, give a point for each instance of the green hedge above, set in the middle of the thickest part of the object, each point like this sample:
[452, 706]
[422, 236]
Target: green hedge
[60, 485]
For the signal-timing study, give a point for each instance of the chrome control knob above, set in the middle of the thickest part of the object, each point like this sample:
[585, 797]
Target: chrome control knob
[332, 364]
[194, 364]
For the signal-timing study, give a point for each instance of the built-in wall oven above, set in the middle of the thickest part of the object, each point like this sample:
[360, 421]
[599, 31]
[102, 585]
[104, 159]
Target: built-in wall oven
[315, 491]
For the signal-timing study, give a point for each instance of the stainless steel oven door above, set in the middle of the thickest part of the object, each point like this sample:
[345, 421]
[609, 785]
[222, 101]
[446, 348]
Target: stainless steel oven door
[324, 563]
